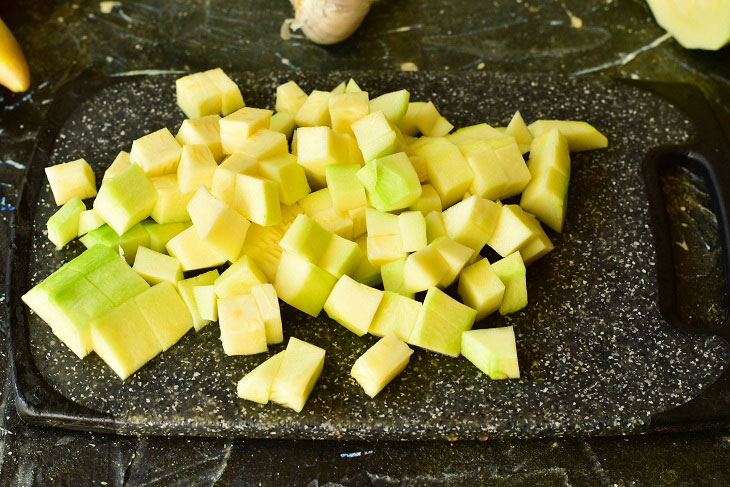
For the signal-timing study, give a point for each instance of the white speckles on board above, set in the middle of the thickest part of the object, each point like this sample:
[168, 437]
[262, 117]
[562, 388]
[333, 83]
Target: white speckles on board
[596, 356]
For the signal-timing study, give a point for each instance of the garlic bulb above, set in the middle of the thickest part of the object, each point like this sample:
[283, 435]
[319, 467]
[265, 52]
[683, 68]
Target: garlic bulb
[327, 21]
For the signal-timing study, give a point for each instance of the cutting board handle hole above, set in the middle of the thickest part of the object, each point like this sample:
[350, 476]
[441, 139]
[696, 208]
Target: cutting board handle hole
[690, 234]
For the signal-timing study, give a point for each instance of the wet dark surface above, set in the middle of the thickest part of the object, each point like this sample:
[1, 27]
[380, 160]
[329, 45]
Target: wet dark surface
[616, 38]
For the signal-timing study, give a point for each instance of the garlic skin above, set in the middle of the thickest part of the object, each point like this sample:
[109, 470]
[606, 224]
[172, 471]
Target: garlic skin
[327, 21]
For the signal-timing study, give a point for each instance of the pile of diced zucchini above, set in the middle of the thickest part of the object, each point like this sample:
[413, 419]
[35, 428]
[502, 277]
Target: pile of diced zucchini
[370, 208]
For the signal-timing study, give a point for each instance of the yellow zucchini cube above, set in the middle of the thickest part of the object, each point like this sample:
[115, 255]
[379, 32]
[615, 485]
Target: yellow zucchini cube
[377, 367]
[243, 331]
[289, 97]
[297, 375]
[197, 95]
[69, 180]
[240, 125]
[204, 130]
[224, 176]
[314, 112]
[157, 153]
[196, 168]
[218, 224]
[230, 94]
[257, 199]
[156, 267]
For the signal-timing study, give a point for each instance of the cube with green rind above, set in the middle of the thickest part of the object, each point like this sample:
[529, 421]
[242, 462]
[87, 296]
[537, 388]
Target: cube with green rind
[68, 302]
[353, 305]
[424, 269]
[288, 175]
[171, 205]
[92, 258]
[89, 220]
[581, 136]
[394, 105]
[493, 351]
[243, 331]
[392, 276]
[448, 171]
[116, 280]
[256, 385]
[440, 323]
[123, 338]
[341, 257]
[156, 267]
[391, 182]
[481, 288]
[161, 233]
[193, 252]
[166, 313]
[397, 314]
[63, 225]
[299, 371]
[346, 190]
[206, 301]
[129, 242]
[379, 365]
[306, 238]
[472, 222]
[239, 278]
[186, 289]
[302, 284]
[435, 226]
[257, 199]
[126, 199]
[429, 200]
[456, 257]
[511, 271]
[412, 230]
[513, 230]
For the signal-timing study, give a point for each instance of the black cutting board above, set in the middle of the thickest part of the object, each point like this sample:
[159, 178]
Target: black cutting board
[596, 354]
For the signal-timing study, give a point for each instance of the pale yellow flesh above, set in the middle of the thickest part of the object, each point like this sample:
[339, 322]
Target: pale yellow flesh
[299, 371]
[374, 369]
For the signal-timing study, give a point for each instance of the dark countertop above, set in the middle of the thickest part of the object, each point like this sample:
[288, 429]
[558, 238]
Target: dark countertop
[616, 38]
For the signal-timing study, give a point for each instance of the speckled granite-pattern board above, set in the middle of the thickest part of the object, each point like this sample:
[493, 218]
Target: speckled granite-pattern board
[596, 357]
